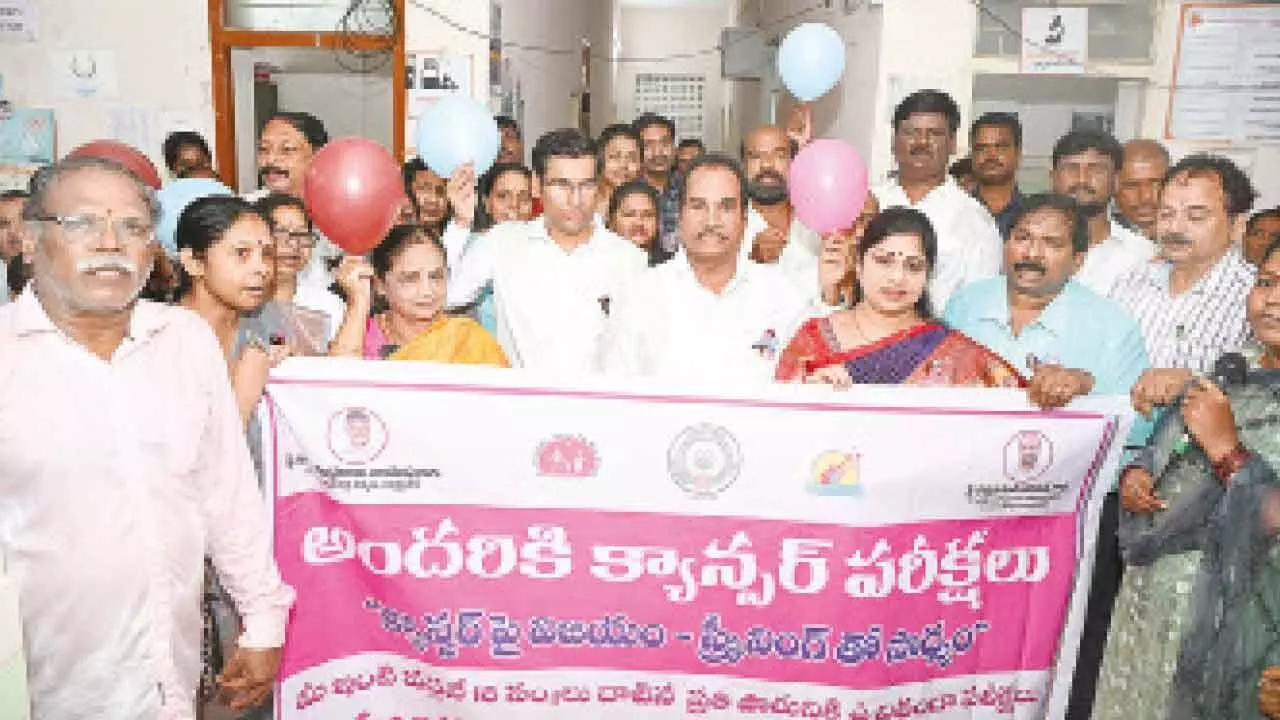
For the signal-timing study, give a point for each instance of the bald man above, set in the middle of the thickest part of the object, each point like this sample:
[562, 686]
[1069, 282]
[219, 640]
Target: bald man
[775, 234]
[1138, 190]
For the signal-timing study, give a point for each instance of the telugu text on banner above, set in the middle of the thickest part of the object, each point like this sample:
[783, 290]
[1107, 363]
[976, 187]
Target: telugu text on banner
[466, 547]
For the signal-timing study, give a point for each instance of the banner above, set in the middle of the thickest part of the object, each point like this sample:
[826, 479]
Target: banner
[464, 546]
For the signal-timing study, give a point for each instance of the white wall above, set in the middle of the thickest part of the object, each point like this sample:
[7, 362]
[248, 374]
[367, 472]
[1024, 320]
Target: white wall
[161, 52]
[659, 32]
[348, 105]
[551, 83]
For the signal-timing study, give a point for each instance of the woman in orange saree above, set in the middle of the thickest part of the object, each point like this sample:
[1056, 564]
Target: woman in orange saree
[889, 336]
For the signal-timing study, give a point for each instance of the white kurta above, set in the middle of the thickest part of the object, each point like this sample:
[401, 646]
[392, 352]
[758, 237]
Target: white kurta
[116, 479]
[670, 326]
[550, 305]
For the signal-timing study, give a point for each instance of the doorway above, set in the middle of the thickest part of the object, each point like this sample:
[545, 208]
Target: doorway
[344, 68]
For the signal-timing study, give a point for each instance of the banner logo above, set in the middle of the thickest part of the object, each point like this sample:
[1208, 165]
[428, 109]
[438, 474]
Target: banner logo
[1027, 456]
[835, 473]
[704, 460]
[569, 456]
[357, 435]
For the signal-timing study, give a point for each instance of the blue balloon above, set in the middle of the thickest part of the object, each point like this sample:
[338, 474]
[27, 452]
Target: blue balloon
[456, 130]
[174, 198]
[811, 60]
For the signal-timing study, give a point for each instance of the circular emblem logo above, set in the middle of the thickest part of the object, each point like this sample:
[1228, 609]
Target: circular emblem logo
[704, 460]
[357, 436]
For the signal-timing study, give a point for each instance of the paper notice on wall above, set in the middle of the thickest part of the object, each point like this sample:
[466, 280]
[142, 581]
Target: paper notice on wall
[84, 74]
[17, 21]
[1226, 74]
[1055, 41]
[134, 125]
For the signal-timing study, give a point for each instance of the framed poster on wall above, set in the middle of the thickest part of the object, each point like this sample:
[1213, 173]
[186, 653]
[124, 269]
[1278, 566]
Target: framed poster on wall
[1226, 81]
[430, 76]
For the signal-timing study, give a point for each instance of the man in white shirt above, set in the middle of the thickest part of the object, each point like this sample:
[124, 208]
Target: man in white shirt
[708, 314]
[122, 464]
[774, 233]
[1085, 163]
[554, 278]
[924, 139]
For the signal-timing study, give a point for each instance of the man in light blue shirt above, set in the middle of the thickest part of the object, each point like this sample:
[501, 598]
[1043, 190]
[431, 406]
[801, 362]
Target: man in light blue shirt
[1070, 341]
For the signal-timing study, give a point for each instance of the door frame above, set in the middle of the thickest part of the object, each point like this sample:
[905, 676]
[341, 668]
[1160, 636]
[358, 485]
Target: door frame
[223, 39]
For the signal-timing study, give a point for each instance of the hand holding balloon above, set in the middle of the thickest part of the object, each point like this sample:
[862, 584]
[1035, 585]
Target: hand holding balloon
[461, 191]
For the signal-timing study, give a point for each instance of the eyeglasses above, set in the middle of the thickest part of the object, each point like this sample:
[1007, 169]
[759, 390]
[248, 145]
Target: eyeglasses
[567, 188]
[84, 227]
[301, 238]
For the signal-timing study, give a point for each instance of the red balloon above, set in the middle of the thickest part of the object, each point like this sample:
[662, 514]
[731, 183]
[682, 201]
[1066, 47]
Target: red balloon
[127, 155]
[353, 192]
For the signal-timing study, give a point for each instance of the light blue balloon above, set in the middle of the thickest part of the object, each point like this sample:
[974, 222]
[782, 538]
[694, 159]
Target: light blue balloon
[811, 60]
[456, 130]
[174, 197]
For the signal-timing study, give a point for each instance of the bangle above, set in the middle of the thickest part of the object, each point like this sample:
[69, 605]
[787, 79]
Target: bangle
[1230, 464]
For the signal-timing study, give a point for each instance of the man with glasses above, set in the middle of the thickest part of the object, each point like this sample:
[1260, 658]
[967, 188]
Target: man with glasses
[554, 277]
[924, 139]
[123, 464]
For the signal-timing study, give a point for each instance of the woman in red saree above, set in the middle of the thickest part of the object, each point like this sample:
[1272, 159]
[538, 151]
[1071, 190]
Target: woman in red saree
[888, 336]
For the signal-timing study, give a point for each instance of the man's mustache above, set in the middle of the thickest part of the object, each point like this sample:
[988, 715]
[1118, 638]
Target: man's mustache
[921, 150]
[1029, 266]
[1082, 188]
[1174, 238]
[771, 175]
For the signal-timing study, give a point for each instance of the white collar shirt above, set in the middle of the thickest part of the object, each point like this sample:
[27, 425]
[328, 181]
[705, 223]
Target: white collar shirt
[669, 326]
[799, 259]
[550, 304]
[969, 244]
[117, 478]
[1112, 259]
[1193, 329]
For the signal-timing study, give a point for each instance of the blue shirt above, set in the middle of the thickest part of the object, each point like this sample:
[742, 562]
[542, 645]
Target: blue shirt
[1079, 329]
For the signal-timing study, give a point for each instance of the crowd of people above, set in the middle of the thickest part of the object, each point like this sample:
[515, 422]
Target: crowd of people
[127, 441]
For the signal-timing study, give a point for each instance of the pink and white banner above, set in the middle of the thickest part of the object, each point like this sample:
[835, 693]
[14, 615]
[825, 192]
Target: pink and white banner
[464, 546]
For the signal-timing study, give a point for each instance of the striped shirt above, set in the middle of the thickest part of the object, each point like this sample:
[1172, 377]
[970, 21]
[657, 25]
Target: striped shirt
[1192, 329]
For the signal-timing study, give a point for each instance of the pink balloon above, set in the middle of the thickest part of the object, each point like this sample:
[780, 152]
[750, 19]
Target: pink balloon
[828, 185]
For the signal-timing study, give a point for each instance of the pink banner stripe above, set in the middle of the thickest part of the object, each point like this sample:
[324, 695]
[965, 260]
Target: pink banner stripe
[498, 605]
